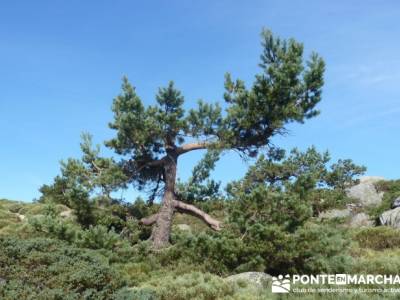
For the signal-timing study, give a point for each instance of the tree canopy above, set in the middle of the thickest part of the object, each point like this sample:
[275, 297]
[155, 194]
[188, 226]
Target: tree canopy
[286, 90]
[149, 139]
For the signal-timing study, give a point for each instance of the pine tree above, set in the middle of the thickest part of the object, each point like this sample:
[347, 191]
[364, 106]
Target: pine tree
[151, 139]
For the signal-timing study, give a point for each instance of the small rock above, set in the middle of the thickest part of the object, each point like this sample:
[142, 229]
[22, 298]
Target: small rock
[396, 202]
[361, 220]
[391, 218]
[184, 227]
[20, 217]
[256, 279]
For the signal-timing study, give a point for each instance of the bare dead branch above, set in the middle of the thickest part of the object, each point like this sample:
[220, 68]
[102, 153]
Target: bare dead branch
[191, 209]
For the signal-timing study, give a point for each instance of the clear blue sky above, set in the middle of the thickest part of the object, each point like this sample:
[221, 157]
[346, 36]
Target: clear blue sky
[61, 64]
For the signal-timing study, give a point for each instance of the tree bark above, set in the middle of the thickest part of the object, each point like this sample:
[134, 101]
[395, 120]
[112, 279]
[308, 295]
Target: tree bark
[163, 219]
[162, 228]
[149, 220]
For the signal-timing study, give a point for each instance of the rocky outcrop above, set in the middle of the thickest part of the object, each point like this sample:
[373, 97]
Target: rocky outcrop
[391, 218]
[396, 202]
[351, 210]
[365, 192]
[355, 220]
[255, 279]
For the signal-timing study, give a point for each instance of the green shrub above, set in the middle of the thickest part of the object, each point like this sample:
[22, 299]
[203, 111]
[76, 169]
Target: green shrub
[377, 262]
[378, 238]
[388, 186]
[95, 237]
[218, 253]
[312, 248]
[98, 237]
[136, 294]
[54, 228]
[192, 286]
[321, 249]
[391, 189]
[50, 269]
[267, 206]
[325, 199]
[109, 218]
[16, 207]
[7, 218]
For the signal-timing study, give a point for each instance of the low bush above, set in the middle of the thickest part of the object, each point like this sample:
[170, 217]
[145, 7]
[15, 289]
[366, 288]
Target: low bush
[325, 199]
[193, 285]
[137, 294]
[321, 249]
[43, 268]
[313, 248]
[378, 238]
[7, 218]
[391, 189]
[98, 237]
[377, 262]
[54, 228]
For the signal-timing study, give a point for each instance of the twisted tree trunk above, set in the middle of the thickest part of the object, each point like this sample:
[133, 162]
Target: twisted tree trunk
[162, 228]
[163, 219]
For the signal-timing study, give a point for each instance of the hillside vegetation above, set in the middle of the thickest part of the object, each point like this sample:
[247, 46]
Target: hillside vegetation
[47, 254]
